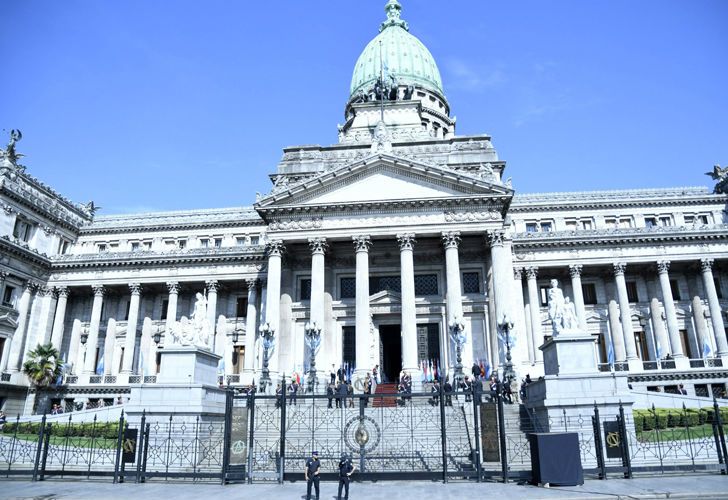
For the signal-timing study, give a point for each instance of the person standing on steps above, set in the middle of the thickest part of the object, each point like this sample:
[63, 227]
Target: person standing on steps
[311, 473]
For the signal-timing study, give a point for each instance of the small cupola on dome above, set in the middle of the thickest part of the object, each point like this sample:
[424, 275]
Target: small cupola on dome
[399, 57]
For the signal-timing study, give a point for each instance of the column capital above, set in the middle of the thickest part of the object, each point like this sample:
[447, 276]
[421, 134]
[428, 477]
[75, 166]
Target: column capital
[212, 286]
[575, 270]
[451, 239]
[518, 273]
[362, 242]
[619, 268]
[663, 266]
[252, 283]
[99, 290]
[706, 265]
[496, 237]
[42, 290]
[3, 275]
[275, 248]
[135, 288]
[318, 245]
[173, 287]
[532, 272]
[62, 291]
[406, 241]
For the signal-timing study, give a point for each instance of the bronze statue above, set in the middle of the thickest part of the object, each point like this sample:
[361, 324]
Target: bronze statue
[721, 175]
[9, 153]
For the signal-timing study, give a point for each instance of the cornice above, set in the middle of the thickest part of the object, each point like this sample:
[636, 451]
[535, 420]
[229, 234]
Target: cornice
[627, 236]
[183, 219]
[10, 246]
[617, 198]
[146, 258]
[714, 374]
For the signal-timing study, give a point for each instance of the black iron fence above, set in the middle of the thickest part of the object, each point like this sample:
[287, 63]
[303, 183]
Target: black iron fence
[434, 436]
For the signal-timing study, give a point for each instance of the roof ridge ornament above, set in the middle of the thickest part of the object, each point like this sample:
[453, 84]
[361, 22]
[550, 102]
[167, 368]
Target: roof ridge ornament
[394, 11]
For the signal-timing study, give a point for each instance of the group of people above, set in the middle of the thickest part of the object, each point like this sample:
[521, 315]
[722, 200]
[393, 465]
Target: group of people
[404, 388]
[56, 409]
[342, 391]
[313, 469]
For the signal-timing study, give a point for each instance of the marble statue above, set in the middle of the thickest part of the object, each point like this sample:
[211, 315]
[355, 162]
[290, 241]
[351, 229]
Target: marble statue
[562, 312]
[194, 331]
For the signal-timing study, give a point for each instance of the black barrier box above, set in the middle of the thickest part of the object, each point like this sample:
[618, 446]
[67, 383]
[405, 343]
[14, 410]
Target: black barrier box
[555, 459]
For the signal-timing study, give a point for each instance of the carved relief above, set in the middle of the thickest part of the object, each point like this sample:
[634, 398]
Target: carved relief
[472, 216]
[295, 224]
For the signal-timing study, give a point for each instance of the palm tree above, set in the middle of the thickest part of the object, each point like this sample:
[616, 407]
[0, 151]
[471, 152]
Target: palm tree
[43, 366]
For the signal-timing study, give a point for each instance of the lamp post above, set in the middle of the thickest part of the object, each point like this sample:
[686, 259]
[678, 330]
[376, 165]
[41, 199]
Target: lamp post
[313, 340]
[506, 325]
[267, 333]
[457, 332]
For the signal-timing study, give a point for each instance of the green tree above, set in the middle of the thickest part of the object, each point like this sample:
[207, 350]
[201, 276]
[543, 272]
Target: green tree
[43, 366]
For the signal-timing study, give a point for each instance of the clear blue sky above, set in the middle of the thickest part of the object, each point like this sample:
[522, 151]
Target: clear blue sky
[155, 105]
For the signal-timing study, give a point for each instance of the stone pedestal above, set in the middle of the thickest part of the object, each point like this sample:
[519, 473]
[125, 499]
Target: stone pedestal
[573, 382]
[186, 388]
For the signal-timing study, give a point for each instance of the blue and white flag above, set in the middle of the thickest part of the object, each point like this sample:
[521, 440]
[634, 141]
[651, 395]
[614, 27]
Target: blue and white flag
[658, 349]
[706, 348]
[142, 365]
[610, 354]
[100, 366]
[221, 366]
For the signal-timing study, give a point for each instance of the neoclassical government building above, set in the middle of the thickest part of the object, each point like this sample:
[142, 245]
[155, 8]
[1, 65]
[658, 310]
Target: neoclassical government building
[387, 245]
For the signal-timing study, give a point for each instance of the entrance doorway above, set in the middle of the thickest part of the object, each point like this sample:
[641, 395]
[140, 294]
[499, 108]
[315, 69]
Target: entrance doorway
[390, 340]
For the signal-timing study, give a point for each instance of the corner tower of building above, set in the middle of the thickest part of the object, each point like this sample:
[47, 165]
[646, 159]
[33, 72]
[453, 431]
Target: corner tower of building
[396, 81]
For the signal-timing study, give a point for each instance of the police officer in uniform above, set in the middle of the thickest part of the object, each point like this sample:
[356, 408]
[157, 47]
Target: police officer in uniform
[346, 469]
[311, 473]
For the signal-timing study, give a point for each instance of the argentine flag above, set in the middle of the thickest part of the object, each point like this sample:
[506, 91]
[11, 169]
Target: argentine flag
[100, 366]
[610, 354]
[706, 348]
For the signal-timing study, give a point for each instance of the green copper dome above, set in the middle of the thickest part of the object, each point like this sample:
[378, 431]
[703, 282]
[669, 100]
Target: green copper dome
[403, 55]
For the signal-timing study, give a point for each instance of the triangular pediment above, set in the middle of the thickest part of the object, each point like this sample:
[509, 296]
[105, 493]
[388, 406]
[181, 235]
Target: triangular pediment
[385, 297]
[382, 178]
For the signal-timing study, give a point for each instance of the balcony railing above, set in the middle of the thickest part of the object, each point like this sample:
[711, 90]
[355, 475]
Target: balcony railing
[95, 379]
[706, 363]
[649, 365]
[5, 377]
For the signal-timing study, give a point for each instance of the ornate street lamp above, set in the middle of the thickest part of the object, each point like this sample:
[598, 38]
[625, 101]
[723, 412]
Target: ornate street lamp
[506, 325]
[457, 332]
[313, 340]
[84, 336]
[157, 337]
[267, 333]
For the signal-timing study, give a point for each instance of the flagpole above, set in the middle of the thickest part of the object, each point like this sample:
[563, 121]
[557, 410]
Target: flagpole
[381, 80]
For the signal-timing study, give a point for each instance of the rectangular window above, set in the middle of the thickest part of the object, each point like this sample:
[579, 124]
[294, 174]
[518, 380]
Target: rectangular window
[703, 219]
[571, 225]
[471, 282]
[675, 290]
[390, 283]
[255, 240]
[241, 307]
[426, 284]
[544, 295]
[685, 343]
[428, 342]
[113, 247]
[204, 242]
[650, 222]
[101, 247]
[611, 223]
[218, 242]
[165, 305]
[632, 296]
[23, 230]
[589, 290]
[625, 222]
[348, 288]
[8, 296]
[240, 241]
[545, 227]
[689, 219]
[147, 245]
[181, 244]
[238, 358]
[63, 246]
[304, 289]
[348, 347]
[135, 246]
[531, 227]
[665, 221]
[586, 224]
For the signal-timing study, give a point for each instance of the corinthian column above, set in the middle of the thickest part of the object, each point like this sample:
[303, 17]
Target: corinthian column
[716, 315]
[131, 328]
[218, 346]
[575, 272]
[59, 320]
[534, 306]
[409, 311]
[625, 315]
[89, 367]
[275, 250]
[17, 344]
[173, 289]
[361, 247]
[318, 248]
[668, 302]
[250, 330]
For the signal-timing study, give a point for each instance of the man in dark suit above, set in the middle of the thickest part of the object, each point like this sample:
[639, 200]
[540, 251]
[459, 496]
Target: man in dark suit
[311, 473]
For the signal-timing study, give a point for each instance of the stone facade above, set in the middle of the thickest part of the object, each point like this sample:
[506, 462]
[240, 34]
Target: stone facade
[381, 241]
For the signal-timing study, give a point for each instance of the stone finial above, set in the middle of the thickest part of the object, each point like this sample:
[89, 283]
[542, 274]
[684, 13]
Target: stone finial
[394, 13]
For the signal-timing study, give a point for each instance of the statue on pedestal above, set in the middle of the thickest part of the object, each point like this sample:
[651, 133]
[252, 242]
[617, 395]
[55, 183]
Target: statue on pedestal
[562, 312]
[194, 331]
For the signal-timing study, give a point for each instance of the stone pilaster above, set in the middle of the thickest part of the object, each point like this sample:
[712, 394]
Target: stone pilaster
[131, 328]
[173, 290]
[18, 343]
[534, 305]
[625, 316]
[520, 313]
[318, 247]
[251, 329]
[676, 348]
[716, 314]
[275, 249]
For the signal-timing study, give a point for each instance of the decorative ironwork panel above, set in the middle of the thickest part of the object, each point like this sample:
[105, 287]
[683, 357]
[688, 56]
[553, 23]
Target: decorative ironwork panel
[426, 284]
[348, 288]
[471, 282]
